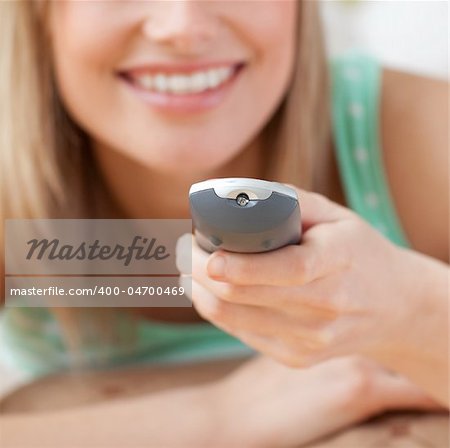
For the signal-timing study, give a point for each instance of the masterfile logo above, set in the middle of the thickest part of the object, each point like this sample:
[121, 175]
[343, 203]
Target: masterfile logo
[54, 249]
[93, 262]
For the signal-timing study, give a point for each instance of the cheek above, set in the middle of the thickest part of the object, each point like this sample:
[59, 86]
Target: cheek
[87, 41]
[89, 31]
[272, 33]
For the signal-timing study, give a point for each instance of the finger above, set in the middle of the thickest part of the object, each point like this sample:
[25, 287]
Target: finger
[306, 303]
[395, 391]
[258, 295]
[183, 253]
[185, 282]
[288, 266]
[259, 321]
[316, 208]
[229, 317]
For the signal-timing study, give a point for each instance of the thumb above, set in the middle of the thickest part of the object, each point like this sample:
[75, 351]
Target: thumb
[397, 392]
[316, 208]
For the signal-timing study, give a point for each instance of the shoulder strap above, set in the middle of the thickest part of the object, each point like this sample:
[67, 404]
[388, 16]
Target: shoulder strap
[356, 81]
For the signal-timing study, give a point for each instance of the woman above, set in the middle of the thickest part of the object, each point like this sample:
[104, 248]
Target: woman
[99, 110]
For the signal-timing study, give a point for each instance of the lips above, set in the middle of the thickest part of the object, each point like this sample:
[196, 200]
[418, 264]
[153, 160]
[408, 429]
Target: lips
[182, 88]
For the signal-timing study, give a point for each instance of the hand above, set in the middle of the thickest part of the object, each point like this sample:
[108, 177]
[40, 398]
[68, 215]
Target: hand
[344, 290]
[265, 404]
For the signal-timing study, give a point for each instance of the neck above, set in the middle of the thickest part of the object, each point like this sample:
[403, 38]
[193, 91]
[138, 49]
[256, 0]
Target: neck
[142, 192]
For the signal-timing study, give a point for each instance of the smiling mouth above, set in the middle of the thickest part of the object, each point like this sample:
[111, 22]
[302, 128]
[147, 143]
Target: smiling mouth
[182, 83]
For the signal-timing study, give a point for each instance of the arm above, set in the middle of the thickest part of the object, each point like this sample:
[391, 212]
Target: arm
[415, 139]
[415, 124]
[260, 404]
[176, 418]
[421, 350]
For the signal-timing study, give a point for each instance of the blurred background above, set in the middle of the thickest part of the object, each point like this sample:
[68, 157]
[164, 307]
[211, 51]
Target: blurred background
[409, 35]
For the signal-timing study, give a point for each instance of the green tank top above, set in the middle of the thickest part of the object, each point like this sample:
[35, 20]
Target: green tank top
[31, 339]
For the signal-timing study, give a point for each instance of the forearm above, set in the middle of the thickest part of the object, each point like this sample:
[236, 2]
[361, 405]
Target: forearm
[180, 417]
[420, 350]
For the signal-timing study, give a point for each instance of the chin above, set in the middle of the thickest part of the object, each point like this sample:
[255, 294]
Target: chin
[189, 162]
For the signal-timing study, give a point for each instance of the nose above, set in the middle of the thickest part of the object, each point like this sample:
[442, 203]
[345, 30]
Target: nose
[186, 26]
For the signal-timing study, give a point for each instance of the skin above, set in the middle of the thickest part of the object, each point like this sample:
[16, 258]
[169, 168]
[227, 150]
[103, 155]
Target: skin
[91, 40]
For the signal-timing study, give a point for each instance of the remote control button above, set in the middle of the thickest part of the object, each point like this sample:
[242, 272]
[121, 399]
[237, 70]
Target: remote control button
[215, 240]
[242, 199]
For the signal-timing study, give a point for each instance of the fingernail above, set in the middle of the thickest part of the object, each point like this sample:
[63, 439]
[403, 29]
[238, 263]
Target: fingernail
[183, 257]
[185, 281]
[216, 266]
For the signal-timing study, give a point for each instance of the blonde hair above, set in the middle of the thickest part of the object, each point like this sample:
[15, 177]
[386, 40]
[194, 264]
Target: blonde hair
[46, 160]
[45, 157]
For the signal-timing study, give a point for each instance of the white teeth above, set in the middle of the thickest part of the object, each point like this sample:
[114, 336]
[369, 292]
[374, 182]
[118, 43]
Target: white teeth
[225, 73]
[214, 78]
[199, 82]
[178, 84]
[181, 84]
[160, 83]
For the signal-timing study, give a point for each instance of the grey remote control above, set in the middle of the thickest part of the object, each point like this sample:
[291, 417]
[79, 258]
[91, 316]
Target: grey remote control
[244, 215]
